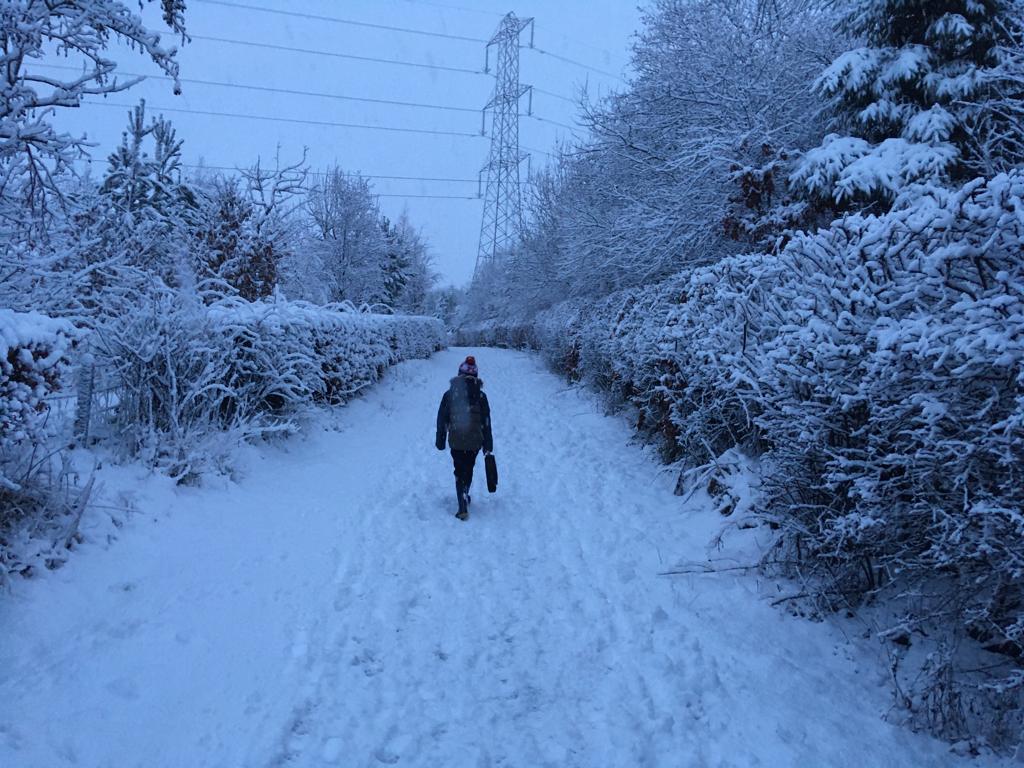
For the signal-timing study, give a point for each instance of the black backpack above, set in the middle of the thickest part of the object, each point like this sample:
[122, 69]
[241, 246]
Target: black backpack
[465, 419]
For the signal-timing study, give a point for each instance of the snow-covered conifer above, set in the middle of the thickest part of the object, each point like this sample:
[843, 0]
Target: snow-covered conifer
[933, 95]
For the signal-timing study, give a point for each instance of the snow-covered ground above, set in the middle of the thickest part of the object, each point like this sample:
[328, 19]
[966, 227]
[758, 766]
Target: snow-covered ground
[328, 610]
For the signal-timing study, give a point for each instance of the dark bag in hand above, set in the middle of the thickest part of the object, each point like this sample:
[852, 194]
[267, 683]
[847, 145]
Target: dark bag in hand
[491, 466]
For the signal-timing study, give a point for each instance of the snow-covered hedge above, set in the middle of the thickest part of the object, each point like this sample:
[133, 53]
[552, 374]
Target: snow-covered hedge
[34, 361]
[878, 368]
[891, 391]
[34, 353]
[194, 376]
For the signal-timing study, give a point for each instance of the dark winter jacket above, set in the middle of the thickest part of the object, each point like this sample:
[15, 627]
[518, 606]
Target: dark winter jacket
[464, 417]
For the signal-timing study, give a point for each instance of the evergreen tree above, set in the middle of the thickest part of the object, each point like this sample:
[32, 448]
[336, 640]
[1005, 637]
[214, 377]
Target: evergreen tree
[395, 267]
[762, 210]
[933, 96]
[221, 252]
[148, 194]
[406, 267]
[134, 179]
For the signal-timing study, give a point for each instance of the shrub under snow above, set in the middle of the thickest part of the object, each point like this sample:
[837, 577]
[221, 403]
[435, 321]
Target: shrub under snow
[878, 367]
[892, 396]
[194, 376]
[33, 359]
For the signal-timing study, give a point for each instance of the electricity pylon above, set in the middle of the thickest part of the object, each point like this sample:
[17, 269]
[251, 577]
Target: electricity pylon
[503, 211]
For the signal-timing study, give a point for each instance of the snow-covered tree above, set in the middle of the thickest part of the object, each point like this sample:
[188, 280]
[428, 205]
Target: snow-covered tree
[407, 272]
[934, 95]
[276, 195]
[108, 242]
[223, 251]
[872, 361]
[137, 179]
[33, 154]
[444, 304]
[347, 239]
[50, 245]
[245, 230]
[145, 189]
[688, 163]
[396, 264]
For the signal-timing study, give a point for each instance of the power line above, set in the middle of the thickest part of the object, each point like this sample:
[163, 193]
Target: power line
[449, 180]
[408, 30]
[370, 176]
[268, 89]
[494, 14]
[574, 62]
[380, 176]
[498, 15]
[349, 22]
[316, 94]
[551, 122]
[393, 61]
[270, 118]
[350, 174]
[537, 151]
[333, 54]
[327, 123]
[204, 167]
[430, 197]
[554, 95]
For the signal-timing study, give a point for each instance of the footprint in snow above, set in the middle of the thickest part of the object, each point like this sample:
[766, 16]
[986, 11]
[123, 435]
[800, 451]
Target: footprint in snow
[368, 661]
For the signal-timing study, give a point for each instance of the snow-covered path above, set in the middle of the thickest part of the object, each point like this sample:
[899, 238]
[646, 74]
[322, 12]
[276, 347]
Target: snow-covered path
[328, 610]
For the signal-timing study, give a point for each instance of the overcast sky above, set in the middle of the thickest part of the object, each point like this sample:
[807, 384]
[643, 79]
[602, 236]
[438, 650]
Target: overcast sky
[595, 32]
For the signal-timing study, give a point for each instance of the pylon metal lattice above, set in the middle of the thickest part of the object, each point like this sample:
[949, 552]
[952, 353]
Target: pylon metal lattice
[503, 212]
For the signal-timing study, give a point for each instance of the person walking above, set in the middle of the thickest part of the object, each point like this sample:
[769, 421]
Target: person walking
[464, 418]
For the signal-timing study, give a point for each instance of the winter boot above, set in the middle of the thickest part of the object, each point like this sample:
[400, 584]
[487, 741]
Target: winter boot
[463, 498]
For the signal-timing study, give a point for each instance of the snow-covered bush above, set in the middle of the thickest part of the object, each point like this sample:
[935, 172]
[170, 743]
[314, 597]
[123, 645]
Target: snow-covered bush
[664, 351]
[892, 398]
[196, 376]
[873, 360]
[878, 366]
[34, 357]
[411, 336]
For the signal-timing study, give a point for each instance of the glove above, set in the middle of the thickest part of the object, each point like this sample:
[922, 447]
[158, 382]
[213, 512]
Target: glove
[439, 442]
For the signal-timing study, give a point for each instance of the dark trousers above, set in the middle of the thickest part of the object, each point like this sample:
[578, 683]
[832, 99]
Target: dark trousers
[464, 462]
